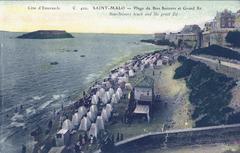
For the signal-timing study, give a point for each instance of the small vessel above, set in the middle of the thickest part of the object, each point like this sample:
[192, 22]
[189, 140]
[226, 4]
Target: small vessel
[54, 63]
[82, 55]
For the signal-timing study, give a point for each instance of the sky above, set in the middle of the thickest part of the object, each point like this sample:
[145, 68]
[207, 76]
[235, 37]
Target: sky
[19, 17]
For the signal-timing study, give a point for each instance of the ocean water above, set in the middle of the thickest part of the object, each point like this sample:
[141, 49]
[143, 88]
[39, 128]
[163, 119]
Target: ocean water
[29, 80]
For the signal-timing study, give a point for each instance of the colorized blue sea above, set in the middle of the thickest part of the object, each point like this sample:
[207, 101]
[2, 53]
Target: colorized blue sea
[30, 81]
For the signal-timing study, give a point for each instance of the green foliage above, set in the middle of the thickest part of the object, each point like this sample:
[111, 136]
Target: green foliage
[210, 93]
[185, 69]
[233, 37]
[215, 50]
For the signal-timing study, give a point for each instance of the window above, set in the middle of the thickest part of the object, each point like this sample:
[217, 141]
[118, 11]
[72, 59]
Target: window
[59, 136]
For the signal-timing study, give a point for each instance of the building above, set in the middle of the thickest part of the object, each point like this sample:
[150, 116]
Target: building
[160, 36]
[237, 20]
[172, 37]
[214, 37]
[143, 91]
[191, 29]
[211, 26]
[225, 19]
[63, 137]
[143, 96]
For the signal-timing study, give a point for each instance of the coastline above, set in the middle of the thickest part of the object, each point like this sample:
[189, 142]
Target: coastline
[69, 108]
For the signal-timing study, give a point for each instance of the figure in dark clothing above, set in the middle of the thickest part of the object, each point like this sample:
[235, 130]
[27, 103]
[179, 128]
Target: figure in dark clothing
[24, 149]
[112, 137]
[121, 137]
[118, 137]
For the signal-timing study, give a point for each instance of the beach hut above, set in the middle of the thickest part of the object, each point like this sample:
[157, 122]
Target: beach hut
[108, 96]
[105, 115]
[109, 109]
[67, 125]
[82, 111]
[91, 116]
[93, 108]
[85, 124]
[100, 123]
[104, 99]
[111, 91]
[114, 76]
[98, 94]
[94, 100]
[119, 93]
[93, 130]
[76, 120]
[122, 71]
[62, 137]
[131, 73]
[135, 67]
[114, 99]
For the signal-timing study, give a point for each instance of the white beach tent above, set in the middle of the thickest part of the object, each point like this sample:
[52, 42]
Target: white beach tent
[105, 115]
[108, 96]
[135, 67]
[114, 99]
[109, 109]
[82, 111]
[93, 130]
[85, 124]
[111, 91]
[94, 100]
[119, 92]
[98, 94]
[131, 73]
[159, 62]
[100, 123]
[104, 99]
[101, 92]
[67, 125]
[114, 76]
[91, 116]
[122, 71]
[93, 108]
[76, 120]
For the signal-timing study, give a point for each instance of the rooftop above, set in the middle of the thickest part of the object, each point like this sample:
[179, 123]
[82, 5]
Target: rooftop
[145, 82]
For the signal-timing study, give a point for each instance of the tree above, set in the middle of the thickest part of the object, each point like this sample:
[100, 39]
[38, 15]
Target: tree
[233, 37]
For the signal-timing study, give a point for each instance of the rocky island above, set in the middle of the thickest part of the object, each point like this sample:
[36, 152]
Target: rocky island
[46, 34]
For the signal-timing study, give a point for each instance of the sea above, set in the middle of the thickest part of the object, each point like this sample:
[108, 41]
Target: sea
[40, 75]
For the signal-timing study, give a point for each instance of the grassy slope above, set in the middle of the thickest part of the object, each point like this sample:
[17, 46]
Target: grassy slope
[210, 93]
[215, 50]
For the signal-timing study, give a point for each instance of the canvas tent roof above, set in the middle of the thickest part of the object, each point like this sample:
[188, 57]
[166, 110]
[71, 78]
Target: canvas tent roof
[114, 99]
[91, 116]
[93, 108]
[67, 125]
[105, 115]
[75, 119]
[145, 82]
[94, 100]
[85, 124]
[100, 123]
[111, 91]
[82, 111]
[93, 130]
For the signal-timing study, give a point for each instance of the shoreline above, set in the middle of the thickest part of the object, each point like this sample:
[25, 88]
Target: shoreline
[87, 92]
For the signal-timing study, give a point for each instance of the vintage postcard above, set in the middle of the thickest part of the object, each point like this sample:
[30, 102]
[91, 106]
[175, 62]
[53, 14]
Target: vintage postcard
[120, 76]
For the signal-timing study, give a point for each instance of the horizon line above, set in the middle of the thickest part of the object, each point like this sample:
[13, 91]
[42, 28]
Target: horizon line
[81, 32]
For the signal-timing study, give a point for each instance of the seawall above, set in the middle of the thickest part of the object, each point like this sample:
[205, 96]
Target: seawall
[174, 138]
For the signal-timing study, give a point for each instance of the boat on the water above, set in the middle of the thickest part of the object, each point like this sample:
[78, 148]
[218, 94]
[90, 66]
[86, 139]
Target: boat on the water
[54, 63]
